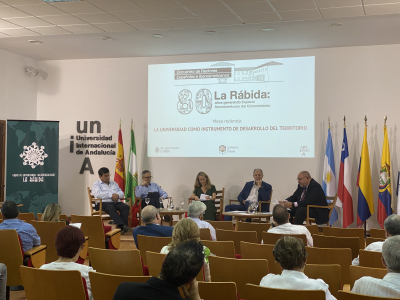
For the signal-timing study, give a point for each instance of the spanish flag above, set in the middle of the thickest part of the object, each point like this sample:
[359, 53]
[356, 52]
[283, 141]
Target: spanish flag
[119, 176]
[365, 199]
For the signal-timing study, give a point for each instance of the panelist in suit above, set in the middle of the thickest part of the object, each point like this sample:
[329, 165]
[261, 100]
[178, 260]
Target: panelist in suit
[309, 192]
[203, 186]
[152, 220]
[253, 190]
[150, 189]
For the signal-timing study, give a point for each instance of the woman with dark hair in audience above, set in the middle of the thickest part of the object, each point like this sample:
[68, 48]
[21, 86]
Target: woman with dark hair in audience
[69, 243]
[203, 186]
[291, 255]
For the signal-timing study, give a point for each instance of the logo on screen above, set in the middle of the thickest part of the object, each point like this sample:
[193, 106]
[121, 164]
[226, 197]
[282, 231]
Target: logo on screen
[222, 149]
[33, 155]
[157, 150]
[203, 101]
[185, 103]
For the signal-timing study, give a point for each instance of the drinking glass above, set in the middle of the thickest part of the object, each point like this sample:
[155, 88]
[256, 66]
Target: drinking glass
[182, 202]
[255, 206]
[172, 204]
[161, 202]
[147, 200]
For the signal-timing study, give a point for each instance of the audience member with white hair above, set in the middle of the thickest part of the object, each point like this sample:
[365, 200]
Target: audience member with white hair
[389, 286]
[196, 210]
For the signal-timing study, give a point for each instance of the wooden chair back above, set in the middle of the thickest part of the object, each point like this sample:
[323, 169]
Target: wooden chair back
[63, 217]
[342, 295]
[152, 244]
[346, 232]
[256, 292]
[50, 284]
[221, 248]
[371, 259]
[377, 233]
[313, 229]
[92, 205]
[240, 271]
[331, 204]
[260, 203]
[205, 234]
[370, 240]
[272, 238]
[356, 272]
[47, 232]
[330, 274]
[236, 237]
[257, 227]
[27, 216]
[121, 262]
[261, 251]
[331, 256]
[218, 290]
[225, 225]
[219, 203]
[105, 285]
[11, 255]
[322, 241]
[92, 226]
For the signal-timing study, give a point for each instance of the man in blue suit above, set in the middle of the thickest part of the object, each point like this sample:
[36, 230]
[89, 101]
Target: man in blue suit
[152, 220]
[257, 190]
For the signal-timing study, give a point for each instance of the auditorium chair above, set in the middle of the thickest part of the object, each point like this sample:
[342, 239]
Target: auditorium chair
[221, 248]
[236, 237]
[272, 238]
[240, 271]
[121, 262]
[225, 225]
[63, 217]
[330, 274]
[356, 272]
[330, 206]
[105, 285]
[152, 244]
[100, 236]
[12, 255]
[219, 204]
[256, 292]
[313, 229]
[51, 284]
[370, 240]
[342, 295]
[26, 216]
[257, 227]
[205, 234]
[346, 232]
[353, 243]
[218, 290]
[261, 251]
[328, 256]
[377, 233]
[371, 259]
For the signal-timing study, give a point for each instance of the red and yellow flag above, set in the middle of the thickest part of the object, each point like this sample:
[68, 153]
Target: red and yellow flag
[119, 176]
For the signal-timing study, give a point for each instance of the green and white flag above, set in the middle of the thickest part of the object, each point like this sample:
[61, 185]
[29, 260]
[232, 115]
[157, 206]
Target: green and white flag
[132, 176]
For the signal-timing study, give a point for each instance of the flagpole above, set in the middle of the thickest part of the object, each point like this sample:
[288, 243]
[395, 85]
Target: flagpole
[365, 223]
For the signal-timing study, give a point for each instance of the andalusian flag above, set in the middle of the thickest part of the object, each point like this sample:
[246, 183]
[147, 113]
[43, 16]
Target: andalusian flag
[365, 198]
[132, 180]
[385, 187]
[119, 176]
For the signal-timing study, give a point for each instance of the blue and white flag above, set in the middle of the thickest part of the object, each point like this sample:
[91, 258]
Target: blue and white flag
[329, 178]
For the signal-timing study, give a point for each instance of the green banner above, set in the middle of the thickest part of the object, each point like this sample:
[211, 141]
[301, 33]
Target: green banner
[32, 164]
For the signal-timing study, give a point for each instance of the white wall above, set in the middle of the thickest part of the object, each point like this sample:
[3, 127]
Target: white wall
[354, 81]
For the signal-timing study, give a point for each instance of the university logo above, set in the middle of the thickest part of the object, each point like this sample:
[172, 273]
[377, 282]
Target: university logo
[33, 155]
[222, 149]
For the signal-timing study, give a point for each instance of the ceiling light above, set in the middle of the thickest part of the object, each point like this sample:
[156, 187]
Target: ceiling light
[268, 29]
[157, 35]
[31, 70]
[105, 38]
[210, 32]
[35, 42]
[336, 24]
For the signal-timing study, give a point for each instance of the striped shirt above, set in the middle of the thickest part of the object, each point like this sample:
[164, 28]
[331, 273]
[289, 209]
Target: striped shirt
[389, 286]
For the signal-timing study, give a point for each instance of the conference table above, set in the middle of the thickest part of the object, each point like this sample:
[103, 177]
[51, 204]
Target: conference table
[172, 212]
[239, 215]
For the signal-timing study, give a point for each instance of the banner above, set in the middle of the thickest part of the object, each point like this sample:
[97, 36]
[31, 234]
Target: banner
[32, 164]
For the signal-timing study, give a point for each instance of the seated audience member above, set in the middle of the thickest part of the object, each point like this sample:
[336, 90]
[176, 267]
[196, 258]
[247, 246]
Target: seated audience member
[204, 190]
[184, 231]
[196, 210]
[26, 231]
[179, 268]
[291, 255]
[256, 190]
[52, 213]
[150, 190]
[152, 221]
[308, 192]
[283, 226]
[3, 281]
[389, 286]
[69, 242]
[392, 228]
[110, 193]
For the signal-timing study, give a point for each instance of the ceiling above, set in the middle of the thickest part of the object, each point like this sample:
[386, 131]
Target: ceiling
[72, 30]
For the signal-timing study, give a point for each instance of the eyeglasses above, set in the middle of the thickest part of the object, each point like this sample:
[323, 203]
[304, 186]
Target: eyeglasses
[148, 177]
[298, 179]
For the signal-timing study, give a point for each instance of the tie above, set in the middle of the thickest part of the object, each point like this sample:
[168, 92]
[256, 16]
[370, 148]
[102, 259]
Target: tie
[303, 194]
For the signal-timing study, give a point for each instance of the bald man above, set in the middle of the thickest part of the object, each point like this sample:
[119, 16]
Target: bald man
[152, 221]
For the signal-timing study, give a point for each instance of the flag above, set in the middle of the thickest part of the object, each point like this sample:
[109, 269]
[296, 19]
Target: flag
[397, 193]
[119, 176]
[344, 198]
[365, 199]
[329, 178]
[132, 179]
[385, 187]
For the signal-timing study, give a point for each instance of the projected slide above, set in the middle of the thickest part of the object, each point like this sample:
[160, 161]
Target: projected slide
[242, 108]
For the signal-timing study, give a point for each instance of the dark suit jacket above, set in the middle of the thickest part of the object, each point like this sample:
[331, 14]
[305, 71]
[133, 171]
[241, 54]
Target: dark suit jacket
[264, 193]
[152, 230]
[314, 196]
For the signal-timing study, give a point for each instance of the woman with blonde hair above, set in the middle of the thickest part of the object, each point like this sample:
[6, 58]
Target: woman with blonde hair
[51, 213]
[184, 231]
[205, 190]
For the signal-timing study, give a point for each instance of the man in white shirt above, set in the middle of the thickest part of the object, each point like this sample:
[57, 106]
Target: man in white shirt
[110, 193]
[283, 226]
[392, 228]
[389, 286]
[196, 210]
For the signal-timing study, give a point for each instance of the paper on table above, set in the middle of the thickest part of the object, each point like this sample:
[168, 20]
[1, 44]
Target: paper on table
[203, 197]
